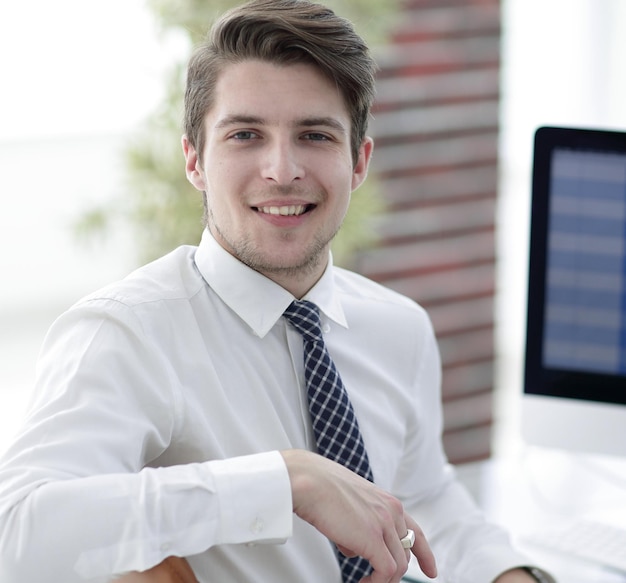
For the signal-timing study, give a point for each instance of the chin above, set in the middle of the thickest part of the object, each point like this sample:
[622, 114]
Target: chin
[301, 264]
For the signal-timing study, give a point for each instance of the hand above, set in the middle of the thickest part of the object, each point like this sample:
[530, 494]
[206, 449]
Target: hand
[360, 518]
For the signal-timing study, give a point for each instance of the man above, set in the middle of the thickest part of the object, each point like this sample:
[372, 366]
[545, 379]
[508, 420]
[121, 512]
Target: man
[171, 414]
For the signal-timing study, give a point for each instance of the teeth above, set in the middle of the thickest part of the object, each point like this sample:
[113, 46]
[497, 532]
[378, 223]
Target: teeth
[285, 211]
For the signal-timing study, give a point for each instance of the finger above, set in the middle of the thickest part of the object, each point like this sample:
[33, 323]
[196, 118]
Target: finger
[404, 530]
[393, 540]
[399, 553]
[392, 534]
[383, 567]
[391, 561]
[421, 549]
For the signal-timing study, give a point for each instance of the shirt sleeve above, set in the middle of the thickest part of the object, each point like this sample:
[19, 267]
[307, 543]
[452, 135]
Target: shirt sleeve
[77, 501]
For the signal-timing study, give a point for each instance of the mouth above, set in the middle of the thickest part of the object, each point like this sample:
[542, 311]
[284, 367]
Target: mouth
[292, 210]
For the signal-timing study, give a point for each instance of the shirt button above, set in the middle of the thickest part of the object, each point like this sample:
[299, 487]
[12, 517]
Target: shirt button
[257, 526]
[326, 328]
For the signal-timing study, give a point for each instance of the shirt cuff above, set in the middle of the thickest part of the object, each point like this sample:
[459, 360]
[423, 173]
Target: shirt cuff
[255, 499]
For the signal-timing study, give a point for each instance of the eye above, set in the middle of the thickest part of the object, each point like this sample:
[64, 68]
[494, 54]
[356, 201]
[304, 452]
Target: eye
[244, 135]
[316, 137]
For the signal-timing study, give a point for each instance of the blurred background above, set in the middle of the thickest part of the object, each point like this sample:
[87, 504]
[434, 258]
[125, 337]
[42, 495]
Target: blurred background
[86, 115]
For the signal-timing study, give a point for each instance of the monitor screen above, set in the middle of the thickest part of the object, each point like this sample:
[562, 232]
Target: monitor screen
[575, 361]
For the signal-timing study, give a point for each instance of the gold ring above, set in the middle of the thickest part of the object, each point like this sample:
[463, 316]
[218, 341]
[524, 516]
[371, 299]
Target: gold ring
[408, 540]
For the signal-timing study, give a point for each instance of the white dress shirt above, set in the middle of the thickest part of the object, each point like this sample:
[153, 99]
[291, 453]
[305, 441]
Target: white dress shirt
[160, 406]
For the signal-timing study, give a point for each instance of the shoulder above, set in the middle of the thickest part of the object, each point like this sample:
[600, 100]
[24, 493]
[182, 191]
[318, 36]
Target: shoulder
[169, 278]
[359, 292]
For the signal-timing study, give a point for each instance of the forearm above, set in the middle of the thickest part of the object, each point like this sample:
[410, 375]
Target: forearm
[94, 527]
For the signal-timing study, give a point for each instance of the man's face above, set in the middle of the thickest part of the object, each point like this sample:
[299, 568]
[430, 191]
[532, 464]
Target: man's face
[277, 168]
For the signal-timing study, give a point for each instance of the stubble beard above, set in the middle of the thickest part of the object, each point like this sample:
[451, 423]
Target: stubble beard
[247, 252]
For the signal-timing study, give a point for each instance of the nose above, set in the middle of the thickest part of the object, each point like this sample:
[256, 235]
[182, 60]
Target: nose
[282, 162]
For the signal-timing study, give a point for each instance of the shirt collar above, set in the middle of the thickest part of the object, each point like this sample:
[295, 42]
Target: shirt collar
[256, 299]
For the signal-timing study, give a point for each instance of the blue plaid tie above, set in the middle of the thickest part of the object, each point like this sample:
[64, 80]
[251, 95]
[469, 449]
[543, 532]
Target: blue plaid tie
[334, 424]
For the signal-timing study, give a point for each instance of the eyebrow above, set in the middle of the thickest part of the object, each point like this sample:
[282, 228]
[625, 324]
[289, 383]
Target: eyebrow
[237, 120]
[308, 122]
[329, 122]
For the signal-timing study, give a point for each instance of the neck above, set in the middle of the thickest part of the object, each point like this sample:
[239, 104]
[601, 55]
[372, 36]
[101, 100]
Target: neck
[296, 280]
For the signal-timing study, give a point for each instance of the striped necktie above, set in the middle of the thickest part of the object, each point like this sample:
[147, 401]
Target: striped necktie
[335, 426]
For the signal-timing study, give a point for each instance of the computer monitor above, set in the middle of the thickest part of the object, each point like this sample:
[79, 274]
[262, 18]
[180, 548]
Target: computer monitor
[575, 357]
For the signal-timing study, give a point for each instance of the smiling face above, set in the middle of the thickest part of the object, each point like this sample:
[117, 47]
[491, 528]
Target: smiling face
[277, 168]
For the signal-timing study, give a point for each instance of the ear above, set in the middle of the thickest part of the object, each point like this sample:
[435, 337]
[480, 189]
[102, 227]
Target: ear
[193, 165]
[359, 174]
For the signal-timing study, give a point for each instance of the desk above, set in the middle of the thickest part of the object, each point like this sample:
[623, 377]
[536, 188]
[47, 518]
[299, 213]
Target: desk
[541, 489]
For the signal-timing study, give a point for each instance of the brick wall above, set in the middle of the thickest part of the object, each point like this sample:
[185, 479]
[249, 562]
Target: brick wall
[436, 131]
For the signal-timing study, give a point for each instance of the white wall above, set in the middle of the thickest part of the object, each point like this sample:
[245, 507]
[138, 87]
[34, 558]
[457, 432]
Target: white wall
[563, 64]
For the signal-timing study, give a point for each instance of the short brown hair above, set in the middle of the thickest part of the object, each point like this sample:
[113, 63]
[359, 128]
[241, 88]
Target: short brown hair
[283, 32]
